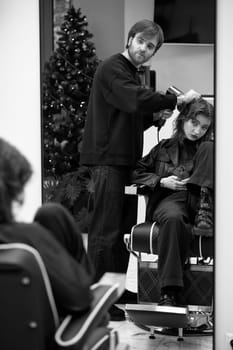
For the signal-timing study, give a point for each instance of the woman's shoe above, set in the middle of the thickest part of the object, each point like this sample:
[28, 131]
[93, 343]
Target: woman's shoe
[203, 225]
[167, 300]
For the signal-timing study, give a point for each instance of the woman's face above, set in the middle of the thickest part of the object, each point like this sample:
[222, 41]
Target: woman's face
[196, 128]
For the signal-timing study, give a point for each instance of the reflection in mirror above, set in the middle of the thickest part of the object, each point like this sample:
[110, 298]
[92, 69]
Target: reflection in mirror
[69, 58]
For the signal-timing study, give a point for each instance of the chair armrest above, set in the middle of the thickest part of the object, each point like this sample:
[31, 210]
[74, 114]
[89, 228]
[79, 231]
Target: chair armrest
[75, 330]
[136, 189]
[127, 241]
[142, 193]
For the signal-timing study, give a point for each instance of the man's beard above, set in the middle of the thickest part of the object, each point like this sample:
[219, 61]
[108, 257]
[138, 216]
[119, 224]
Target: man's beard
[133, 57]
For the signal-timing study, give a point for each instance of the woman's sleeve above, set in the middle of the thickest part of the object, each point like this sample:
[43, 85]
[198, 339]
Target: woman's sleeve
[144, 172]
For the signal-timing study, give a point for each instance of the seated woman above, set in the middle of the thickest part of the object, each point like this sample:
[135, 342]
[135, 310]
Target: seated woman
[178, 173]
[53, 233]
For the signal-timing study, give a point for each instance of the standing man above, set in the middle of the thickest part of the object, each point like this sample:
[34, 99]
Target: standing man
[119, 111]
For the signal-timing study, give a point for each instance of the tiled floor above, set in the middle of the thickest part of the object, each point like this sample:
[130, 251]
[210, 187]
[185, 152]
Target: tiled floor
[138, 338]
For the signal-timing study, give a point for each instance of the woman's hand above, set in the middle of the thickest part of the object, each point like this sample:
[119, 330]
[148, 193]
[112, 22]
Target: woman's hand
[174, 183]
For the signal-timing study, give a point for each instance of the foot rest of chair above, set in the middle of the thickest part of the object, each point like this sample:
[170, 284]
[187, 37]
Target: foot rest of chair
[158, 316]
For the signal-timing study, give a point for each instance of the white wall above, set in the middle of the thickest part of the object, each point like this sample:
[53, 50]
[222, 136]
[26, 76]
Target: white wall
[20, 88]
[224, 175]
[106, 22]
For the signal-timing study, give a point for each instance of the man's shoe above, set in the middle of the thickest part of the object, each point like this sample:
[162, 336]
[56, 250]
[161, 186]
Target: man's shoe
[128, 298]
[203, 225]
[116, 314]
[167, 300]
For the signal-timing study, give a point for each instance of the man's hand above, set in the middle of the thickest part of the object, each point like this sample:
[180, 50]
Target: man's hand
[159, 118]
[188, 97]
[164, 114]
[174, 183]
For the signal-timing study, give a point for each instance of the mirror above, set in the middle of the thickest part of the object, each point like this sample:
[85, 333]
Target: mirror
[73, 47]
[66, 82]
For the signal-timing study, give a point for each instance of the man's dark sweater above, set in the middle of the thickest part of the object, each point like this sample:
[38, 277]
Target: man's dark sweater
[119, 110]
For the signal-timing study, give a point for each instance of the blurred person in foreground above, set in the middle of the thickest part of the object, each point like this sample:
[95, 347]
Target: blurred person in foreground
[53, 233]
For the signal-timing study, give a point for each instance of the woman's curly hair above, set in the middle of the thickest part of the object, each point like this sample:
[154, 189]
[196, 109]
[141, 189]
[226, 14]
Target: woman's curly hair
[15, 171]
[190, 111]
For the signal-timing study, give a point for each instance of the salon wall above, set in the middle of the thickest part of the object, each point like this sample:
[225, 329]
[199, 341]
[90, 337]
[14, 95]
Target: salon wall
[20, 89]
[106, 22]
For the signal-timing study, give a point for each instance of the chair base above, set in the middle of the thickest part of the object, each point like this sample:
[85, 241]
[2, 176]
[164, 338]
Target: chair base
[155, 316]
[170, 320]
[158, 316]
[186, 332]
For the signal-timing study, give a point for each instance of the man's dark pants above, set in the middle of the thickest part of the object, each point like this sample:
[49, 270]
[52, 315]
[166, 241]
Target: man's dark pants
[105, 234]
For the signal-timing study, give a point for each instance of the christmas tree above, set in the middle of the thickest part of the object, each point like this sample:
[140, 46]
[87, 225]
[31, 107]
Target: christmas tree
[67, 82]
[66, 88]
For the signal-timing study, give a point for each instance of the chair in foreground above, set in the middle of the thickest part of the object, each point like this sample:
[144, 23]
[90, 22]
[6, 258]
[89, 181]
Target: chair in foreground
[29, 318]
[197, 312]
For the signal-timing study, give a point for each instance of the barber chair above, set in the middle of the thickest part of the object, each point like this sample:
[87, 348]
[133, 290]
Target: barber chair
[29, 318]
[197, 313]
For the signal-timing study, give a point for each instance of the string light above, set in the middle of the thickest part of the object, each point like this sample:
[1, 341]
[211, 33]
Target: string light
[73, 66]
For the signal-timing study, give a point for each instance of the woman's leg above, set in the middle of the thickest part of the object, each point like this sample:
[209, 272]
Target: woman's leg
[200, 188]
[58, 220]
[174, 238]
[203, 174]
